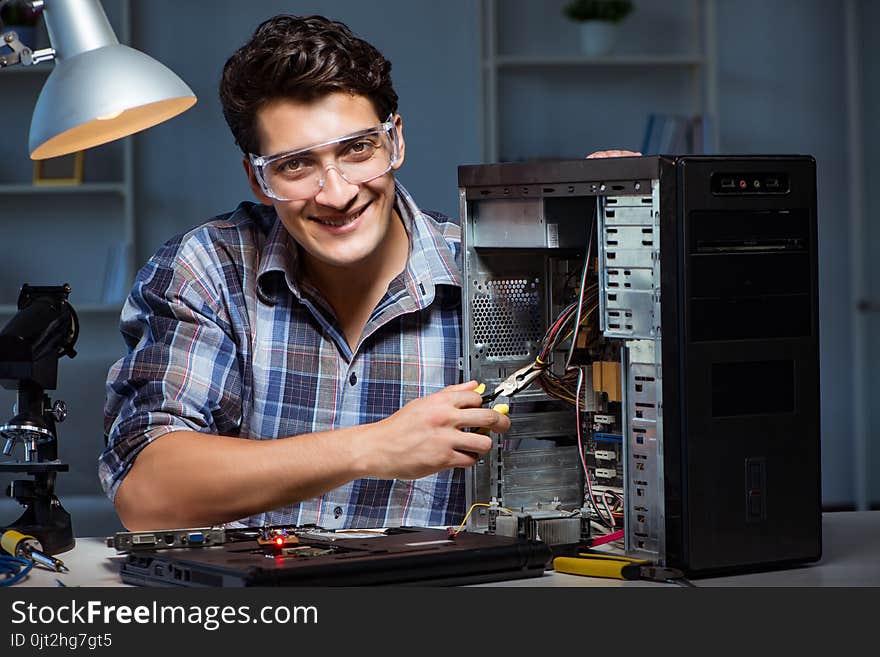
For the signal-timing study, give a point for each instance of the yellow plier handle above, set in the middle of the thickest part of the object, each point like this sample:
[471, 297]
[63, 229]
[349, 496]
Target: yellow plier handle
[504, 409]
[600, 565]
[614, 566]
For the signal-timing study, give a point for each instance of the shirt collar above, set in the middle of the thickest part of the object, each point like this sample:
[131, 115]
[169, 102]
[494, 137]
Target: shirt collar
[431, 262]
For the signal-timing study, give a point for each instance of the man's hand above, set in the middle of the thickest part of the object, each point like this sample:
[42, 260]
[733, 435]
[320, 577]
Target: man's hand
[613, 154]
[427, 435]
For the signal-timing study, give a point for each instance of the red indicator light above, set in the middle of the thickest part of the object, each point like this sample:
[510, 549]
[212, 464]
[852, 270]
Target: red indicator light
[279, 541]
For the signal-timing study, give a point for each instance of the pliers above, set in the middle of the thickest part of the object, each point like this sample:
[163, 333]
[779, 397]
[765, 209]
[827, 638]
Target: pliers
[516, 382]
[616, 567]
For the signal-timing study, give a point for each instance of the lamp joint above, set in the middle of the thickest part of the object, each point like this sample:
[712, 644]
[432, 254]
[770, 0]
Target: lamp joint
[23, 55]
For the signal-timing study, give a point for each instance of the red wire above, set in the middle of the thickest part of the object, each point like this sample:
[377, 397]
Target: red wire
[608, 538]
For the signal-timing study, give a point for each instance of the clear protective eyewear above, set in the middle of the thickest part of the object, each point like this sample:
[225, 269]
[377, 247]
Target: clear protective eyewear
[358, 158]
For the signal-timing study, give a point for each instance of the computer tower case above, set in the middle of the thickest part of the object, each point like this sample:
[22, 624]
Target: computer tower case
[696, 353]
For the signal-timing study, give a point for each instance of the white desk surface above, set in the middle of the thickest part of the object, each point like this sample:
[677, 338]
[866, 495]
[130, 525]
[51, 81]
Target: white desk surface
[851, 557]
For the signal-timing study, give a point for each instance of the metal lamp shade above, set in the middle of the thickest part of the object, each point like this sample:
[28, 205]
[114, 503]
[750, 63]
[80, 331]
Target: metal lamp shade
[100, 95]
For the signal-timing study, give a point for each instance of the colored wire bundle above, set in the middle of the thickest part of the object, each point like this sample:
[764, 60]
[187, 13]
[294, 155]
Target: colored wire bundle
[567, 326]
[563, 386]
[14, 569]
[568, 384]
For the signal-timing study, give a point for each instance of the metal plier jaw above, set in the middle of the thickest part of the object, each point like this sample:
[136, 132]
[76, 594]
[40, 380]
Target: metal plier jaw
[660, 573]
[516, 382]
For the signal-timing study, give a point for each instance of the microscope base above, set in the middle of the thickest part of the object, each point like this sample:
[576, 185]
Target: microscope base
[43, 518]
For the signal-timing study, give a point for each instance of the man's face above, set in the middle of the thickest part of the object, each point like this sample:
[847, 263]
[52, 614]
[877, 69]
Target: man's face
[343, 224]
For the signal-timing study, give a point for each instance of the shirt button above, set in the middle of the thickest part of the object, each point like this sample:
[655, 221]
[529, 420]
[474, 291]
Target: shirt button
[353, 378]
[337, 512]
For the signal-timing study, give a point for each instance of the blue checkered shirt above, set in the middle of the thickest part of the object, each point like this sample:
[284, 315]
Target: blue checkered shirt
[224, 339]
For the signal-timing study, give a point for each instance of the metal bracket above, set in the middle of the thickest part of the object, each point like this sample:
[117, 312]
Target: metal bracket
[21, 54]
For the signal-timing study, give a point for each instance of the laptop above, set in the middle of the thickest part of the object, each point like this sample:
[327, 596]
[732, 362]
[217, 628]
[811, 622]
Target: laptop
[316, 557]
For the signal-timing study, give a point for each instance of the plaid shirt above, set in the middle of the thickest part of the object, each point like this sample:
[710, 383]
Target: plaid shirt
[224, 339]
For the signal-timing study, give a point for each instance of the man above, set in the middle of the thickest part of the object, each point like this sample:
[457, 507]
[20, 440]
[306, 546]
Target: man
[296, 361]
[326, 318]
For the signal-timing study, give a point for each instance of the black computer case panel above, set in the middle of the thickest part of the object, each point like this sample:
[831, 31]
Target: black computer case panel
[741, 355]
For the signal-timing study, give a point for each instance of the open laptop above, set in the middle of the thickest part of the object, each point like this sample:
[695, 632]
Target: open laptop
[401, 556]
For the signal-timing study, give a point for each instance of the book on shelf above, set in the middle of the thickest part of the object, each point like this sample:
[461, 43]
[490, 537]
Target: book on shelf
[673, 134]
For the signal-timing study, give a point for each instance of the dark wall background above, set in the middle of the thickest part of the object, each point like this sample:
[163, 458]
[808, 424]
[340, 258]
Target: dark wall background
[190, 168]
[782, 88]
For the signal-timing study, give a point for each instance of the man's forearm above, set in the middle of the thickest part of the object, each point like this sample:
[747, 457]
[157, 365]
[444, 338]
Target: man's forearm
[187, 479]
[190, 479]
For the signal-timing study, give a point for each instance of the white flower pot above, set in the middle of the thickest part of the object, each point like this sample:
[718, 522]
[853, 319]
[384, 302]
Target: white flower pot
[597, 37]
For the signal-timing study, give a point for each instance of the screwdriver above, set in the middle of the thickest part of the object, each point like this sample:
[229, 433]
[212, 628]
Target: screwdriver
[28, 547]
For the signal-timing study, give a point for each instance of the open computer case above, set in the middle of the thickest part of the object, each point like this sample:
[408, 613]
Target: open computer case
[695, 364]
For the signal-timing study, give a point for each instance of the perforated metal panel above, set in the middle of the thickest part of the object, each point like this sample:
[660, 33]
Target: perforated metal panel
[507, 317]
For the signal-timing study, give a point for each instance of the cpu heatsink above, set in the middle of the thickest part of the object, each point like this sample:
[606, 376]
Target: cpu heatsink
[555, 530]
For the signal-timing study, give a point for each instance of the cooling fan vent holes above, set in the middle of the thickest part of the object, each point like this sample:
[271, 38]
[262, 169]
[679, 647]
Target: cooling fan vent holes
[507, 317]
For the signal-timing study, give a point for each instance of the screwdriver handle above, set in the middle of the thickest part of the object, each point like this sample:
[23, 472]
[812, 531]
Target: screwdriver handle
[15, 543]
[28, 547]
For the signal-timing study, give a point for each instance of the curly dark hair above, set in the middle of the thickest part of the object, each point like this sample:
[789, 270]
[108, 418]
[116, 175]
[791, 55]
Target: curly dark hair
[302, 58]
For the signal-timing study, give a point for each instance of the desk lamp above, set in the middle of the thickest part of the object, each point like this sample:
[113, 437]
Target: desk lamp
[99, 90]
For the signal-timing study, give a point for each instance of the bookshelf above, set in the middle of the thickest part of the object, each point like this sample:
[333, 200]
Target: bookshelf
[119, 188]
[68, 233]
[7, 310]
[42, 69]
[64, 233]
[515, 61]
[542, 99]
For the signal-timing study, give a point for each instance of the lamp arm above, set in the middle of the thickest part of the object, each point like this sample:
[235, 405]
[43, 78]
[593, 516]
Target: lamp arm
[21, 54]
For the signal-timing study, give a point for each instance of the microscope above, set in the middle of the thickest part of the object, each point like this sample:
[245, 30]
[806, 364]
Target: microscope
[44, 329]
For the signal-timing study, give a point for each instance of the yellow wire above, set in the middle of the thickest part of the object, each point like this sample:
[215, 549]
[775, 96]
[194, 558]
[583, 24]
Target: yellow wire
[585, 317]
[468, 515]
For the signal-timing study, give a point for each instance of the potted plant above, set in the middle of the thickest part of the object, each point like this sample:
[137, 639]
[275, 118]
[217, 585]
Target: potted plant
[598, 21]
[19, 16]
